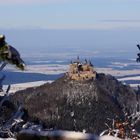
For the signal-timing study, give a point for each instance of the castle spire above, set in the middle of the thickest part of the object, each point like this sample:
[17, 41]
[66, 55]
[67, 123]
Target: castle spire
[90, 63]
[78, 59]
[86, 61]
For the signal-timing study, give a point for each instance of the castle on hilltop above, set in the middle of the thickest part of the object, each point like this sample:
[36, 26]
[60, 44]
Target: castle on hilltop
[81, 71]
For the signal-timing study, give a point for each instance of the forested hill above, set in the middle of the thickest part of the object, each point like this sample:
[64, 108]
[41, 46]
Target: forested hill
[74, 105]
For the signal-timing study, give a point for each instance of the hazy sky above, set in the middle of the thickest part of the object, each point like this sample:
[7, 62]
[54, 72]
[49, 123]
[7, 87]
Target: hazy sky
[70, 14]
[115, 24]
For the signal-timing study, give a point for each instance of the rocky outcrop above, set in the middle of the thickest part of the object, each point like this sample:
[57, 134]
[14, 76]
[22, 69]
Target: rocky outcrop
[80, 106]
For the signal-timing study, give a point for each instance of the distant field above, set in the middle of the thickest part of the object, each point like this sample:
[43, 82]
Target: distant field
[40, 70]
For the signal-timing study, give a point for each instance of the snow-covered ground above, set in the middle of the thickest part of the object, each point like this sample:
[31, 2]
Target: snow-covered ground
[117, 73]
[31, 77]
[22, 86]
[42, 68]
[7, 139]
[101, 138]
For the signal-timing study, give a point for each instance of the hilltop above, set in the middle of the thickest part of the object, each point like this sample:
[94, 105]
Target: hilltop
[67, 104]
